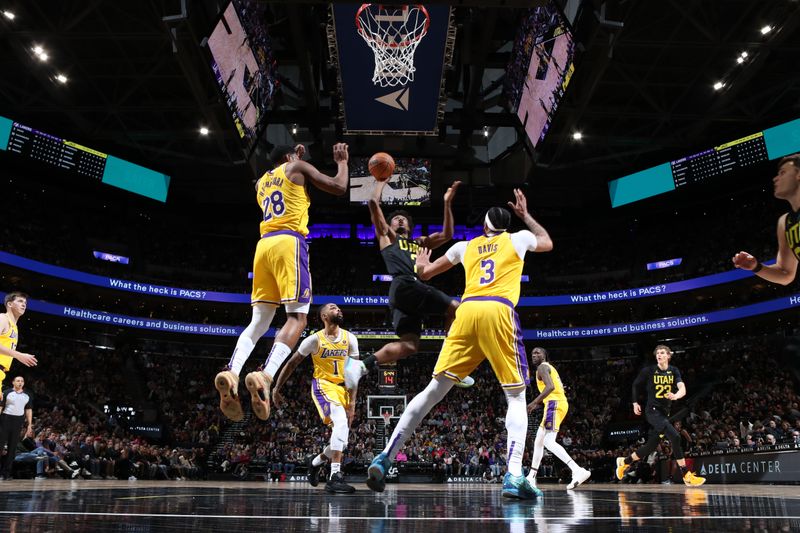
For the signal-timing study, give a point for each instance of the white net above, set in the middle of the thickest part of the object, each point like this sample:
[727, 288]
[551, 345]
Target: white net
[393, 34]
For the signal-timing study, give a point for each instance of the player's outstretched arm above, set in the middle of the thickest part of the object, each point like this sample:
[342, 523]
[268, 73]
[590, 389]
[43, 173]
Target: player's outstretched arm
[383, 232]
[287, 371]
[520, 207]
[434, 240]
[785, 267]
[678, 395]
[426, 270]
[336, 185]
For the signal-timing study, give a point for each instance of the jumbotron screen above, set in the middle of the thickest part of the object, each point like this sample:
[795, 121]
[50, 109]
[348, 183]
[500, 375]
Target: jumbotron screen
[241, 59]
[541, 67]
[410, 183]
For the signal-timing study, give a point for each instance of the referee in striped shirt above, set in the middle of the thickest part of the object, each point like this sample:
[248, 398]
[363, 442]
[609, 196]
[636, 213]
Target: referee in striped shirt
[16, 408]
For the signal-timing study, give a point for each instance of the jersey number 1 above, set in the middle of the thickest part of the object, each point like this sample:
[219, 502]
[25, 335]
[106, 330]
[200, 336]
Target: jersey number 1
[273, 205]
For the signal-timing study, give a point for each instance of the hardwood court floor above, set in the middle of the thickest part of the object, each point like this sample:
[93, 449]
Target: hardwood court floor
[143, 506]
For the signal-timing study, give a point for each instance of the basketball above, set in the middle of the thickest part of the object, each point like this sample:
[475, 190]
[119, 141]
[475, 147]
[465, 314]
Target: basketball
[381, 166]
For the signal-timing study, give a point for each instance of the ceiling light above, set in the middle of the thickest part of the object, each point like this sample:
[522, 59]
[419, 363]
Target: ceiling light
[9, 15]
[486, 131]
[577, 135]
[740, 60]
[744, 55]
[719, 85]
[38, 50]
[43, 56]
[766, 29]
[61, 78]
[294, 129]
[203, 131]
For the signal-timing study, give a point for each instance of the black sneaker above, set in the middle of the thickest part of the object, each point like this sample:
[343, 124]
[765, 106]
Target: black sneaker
[337, 485]
[313, 471]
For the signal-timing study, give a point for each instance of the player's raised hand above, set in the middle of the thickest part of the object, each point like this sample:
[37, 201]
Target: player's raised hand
[300, 150]
[340, 152]
[520, 205]
[637, 409]
[745, 261]
[451, 192]
[423, 258]
[26, 359]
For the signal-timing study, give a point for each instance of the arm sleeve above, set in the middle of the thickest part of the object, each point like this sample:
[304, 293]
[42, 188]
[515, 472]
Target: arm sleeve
[353, 349]
[309, 345]
[678, 378]
[524, 241]
[638, 384]
[456, 252]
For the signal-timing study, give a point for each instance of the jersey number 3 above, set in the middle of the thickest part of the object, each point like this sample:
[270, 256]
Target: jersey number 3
[273, 205]
[487, 265]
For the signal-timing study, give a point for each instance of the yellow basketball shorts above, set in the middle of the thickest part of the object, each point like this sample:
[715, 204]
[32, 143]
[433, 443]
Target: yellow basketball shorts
[324, 393]
[486, 327]
[554, 413]
[280, 269]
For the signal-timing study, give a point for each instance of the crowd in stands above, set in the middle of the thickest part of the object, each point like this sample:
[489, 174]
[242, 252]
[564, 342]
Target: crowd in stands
[736, 402]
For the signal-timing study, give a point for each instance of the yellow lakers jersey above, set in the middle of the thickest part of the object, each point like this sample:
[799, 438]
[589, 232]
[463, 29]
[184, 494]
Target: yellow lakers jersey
[9, 339]
[330, 357]
[492, 267]
[558, 393]
[284, 203]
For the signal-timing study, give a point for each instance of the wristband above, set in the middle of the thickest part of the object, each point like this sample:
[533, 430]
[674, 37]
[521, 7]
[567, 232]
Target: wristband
[758, 268]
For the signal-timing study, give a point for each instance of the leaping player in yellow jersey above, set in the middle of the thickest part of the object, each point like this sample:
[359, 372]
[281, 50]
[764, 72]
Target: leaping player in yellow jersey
[16, 303]
[280, 272]
[486, 327]
[331, 349]
[554, 399]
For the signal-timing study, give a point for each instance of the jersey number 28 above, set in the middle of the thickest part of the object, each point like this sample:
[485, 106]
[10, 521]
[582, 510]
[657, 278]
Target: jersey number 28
[273, 205]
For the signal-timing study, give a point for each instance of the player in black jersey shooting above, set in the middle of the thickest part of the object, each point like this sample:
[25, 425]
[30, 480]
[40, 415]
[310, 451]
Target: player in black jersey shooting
[664, 385]
[409, 299]
[786, 186]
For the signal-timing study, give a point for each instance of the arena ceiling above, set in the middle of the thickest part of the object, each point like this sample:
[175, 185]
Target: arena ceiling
[139, 84]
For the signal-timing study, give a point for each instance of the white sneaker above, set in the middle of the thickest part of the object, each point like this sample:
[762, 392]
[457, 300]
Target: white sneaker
[465, 383]
[354, 370]
[578, 477]
[131, 478]
[531, 480]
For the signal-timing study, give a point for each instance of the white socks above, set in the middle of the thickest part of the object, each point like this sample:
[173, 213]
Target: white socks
[517, 428]
[326, 453]
[276, 357]
[559, 451]
[335, 468]
[259, 324]
[416, 410]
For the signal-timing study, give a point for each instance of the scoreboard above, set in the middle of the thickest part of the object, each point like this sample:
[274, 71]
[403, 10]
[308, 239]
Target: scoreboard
[77, 159]
[719, 160]
[56, 151]
[771, 143]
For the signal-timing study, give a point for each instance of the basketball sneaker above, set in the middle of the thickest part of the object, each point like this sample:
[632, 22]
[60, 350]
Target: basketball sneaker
[259, 386]
[313, 471]
[465, 383]
[354, 370]
[578, 477]
[227, 383]
[693, 480]
[376, 479]
[519, 488]
[337, 485]
[621, 468]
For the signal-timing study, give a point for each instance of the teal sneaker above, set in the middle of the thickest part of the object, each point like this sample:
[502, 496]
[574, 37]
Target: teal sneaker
[518, 487]
[376, 479]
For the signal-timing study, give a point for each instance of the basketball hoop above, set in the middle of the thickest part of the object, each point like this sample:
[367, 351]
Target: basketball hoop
[393, 34]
